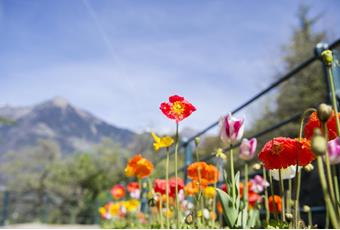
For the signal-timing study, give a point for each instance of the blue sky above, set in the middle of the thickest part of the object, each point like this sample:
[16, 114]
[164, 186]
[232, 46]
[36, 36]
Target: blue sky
[121, 59]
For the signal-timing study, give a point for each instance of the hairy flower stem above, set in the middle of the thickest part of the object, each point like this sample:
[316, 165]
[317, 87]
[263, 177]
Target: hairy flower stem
[333, 94]
[289, 196]
[297, 196]
[328, 202]
[336, 186]
[272, 194]
[176, 175]
[328, 167]
[310, 220]
[245, 192]
[266, 202]
[283, 213]
[167, 187]
[232, 173]
[297, 174]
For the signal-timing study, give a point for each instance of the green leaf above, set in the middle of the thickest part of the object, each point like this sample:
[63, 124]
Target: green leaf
[230, 213]
[253, 216]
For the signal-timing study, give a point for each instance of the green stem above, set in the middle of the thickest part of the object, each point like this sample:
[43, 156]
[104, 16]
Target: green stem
[289, 196]
[328, 167]
[232, 172]
[266, 202]
[336, 185]
[282, 196]
[328, 202]
[297, 175]
[310, 220]
[167, 187]
[245, 192]
[272, 194]
[297, 196]
[334, 101]
[176, 175]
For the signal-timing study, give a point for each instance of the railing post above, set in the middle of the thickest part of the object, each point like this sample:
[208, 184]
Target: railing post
[5, 203]
[188, 159]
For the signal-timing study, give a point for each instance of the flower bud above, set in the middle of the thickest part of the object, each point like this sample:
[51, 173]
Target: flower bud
[327, 57]
[319, 143]
[152, 202]
[324, 112]
[306, 208]
[189, 219]
[289, 217]
[197, 141]
[308, 168]
[256, 166]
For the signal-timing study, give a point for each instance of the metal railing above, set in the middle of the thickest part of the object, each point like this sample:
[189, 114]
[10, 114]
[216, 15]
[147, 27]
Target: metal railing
[186, 144]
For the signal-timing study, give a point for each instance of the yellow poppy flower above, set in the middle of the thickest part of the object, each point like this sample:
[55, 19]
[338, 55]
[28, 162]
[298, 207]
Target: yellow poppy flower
[209, 192]
[220, 154]
[161, 142]
[132, 205]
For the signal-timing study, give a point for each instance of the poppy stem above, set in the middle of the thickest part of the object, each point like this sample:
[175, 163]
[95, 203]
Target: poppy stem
[283, 213]
[297, 196]
[336, 185]
[333, 94]
[167, 186]
[232, 173]
[328, 167]
[272, 194]
[289, 195]
[266, 203]
[245, 192]
[328, 202]
[310, 220]
[176, 175]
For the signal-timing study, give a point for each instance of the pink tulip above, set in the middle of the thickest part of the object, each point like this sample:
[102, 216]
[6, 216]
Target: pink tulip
[258, 184]
[334, 151]
[231, 129]
[248, 149]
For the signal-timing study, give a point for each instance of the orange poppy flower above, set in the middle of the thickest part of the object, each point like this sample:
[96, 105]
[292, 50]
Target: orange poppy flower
[278, 203]
[210, 173]
[194, 186]
[314, 122]
[177, 108]
[194, 168]
[143, 168]
[282, 152]
[138, 166]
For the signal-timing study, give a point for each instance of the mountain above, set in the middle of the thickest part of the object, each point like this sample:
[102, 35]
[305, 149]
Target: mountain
[72, 128]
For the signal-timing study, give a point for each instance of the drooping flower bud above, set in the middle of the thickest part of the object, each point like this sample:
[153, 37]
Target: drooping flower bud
[306, 208]
[256, 166]
[289, 217]
[324, 112]
[319, 143]
[189, 218]
[308, 168]
[197, 141]
[327, 57]
[152, 202]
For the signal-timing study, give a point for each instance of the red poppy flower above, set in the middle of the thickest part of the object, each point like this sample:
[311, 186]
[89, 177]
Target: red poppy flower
[118, 191]
[314, 122]
[224, 187]
[160, 186]
[278, 204]
[282, 152]
[177, 108]
[132, 186]
[172, 185]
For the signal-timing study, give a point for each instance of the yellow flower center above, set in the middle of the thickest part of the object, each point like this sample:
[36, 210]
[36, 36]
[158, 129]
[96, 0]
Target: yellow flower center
[177, 107]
